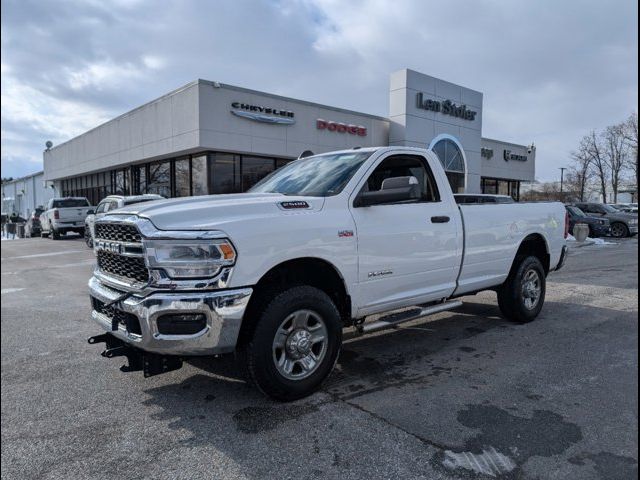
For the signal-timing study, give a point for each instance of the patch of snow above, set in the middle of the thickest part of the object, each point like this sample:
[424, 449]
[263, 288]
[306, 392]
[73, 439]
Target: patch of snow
[489, 462]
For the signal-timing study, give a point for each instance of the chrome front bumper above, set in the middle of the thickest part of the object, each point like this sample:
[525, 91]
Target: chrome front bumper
[224, 311]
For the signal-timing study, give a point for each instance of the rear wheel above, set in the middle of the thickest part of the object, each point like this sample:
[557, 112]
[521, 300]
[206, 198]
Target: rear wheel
[619, 230]
[55, 234]
[521, 297]
[294, 343]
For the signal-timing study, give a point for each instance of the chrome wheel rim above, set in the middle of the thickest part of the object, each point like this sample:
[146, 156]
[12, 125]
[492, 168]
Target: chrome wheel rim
[617, 230]
[300, 344]
[531, 289]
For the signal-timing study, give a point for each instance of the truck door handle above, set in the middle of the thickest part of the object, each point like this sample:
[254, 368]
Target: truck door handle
[442, 219]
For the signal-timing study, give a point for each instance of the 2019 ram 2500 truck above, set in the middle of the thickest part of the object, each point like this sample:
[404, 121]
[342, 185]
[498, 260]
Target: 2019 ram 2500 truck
[321, 244]
[63, 215]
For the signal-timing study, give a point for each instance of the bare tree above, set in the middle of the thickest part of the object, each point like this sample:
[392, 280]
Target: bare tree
[581, 169]
[615, 155]
[596, 151]
[630, 134]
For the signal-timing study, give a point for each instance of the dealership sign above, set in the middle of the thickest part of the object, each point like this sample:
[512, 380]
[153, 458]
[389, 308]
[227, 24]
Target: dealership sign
[512, 156]
[341, 127]
[446, 107]
[263, 114]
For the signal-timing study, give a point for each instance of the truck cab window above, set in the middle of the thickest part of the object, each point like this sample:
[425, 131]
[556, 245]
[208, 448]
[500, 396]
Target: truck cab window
[404, 166]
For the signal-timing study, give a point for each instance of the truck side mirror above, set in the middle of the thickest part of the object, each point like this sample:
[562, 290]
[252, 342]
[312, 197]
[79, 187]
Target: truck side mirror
[90, 212]
[394, 190]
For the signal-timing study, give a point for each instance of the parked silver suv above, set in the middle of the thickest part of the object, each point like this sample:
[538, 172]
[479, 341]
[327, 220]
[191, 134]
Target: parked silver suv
[108, 204]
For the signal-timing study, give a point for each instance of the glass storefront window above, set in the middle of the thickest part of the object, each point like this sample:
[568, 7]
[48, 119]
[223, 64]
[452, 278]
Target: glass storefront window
[159, 181]
[182, 177]
[199, 175]
[225, 173]
[139, 179]
[255, 169]
[497, 186]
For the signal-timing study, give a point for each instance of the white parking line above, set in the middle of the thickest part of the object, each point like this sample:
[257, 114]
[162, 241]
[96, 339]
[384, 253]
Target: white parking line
[10, 290]
[44, 254]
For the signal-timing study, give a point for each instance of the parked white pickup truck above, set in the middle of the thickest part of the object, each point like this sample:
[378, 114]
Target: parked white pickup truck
[321, 244]
[63, 215]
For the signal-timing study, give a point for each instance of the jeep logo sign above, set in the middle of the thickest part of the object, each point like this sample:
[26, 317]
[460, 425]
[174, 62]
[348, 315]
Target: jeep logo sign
[341, 127]
[512, 156]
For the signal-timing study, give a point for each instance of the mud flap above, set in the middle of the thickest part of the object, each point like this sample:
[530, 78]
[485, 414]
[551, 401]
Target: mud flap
[150, 363]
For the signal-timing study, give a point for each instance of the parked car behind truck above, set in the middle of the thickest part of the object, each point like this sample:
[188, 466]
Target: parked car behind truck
[322, 244]
[110, 203]
[622, 224]
[598, 227]
[32, 226]
[64, 215]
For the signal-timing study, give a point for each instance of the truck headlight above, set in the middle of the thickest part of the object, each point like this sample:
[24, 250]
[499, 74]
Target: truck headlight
[190, 258]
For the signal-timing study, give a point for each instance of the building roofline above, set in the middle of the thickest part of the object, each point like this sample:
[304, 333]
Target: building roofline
[129, 112]
[31, 175]
[502, 141]
[223, 85]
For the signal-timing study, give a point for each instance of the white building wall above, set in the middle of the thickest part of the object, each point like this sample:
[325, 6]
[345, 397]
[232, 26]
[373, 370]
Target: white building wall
[498, 167]
[23, 195]
[220, 130]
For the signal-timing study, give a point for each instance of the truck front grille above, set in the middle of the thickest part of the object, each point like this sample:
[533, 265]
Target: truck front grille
[118, 232]
[131, 268]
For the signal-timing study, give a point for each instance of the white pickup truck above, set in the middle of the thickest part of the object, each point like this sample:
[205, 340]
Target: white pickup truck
[365, 238]
[63, 215]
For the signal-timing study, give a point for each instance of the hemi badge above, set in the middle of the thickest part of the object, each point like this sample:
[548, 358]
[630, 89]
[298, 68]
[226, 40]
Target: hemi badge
[294, 204]
[345, 233]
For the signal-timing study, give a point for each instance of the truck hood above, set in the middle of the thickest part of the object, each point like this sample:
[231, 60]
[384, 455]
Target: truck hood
[213, 212]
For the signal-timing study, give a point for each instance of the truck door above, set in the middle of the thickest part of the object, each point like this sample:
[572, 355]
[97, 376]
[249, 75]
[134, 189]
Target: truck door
[408, 253]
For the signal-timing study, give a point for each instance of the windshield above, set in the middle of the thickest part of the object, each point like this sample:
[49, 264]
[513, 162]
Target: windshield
[577, 212]
[319, 176]
[609, 209]
[70, 203]
[142, 200]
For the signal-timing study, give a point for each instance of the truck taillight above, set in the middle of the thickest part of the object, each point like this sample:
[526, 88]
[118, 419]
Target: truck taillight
[56, 214]
[566, 225]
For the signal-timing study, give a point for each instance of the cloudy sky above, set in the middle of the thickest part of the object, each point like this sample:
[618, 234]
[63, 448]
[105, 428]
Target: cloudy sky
[550, 71]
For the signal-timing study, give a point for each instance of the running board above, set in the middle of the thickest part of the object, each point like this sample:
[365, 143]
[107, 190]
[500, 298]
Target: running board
[393, 319]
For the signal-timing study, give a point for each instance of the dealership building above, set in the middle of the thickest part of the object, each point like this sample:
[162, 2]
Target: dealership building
[210, 138]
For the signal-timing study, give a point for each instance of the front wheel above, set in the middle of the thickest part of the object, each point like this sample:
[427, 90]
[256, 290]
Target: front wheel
[522, 295]
[88, 239]
[619, 230]
[294, 344]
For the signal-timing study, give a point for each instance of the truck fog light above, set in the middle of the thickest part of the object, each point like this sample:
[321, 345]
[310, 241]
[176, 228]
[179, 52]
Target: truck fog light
[181, 323]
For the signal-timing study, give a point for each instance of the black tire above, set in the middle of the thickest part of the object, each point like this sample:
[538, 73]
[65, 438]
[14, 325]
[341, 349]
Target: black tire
[514, 304]
[88, 239]
[258, 351]
[619, 230]
[55, 234]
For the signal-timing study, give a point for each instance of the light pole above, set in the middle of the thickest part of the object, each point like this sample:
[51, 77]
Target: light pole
[562, 169]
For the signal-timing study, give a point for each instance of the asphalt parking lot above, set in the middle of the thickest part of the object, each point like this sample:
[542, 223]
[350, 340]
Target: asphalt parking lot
[463, 395]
